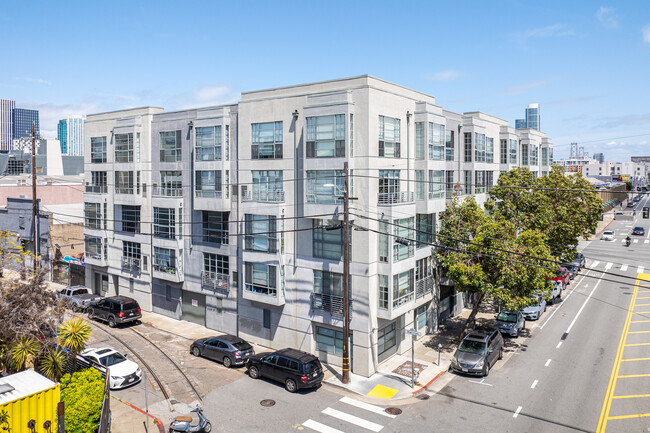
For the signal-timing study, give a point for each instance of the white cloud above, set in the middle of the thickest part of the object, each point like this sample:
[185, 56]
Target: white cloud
[643, 142]
[556, 30]
[646, 33]
[615, 143]
[35, 80]
[607, 17]
[522, 88]
[448, 75]
[205, 96]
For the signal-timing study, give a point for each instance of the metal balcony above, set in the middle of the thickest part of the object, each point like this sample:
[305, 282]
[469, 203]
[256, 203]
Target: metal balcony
[96, 189]
[219, 283]
[130, 264]
[264, 196]
[423, 287]
[160, 191]
[330, 303]
[395, 197]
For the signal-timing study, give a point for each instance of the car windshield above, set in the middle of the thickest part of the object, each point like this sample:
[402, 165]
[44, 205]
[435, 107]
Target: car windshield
[472, 346]
[559, 273]
[608, 233]
[507, 317]
[112, 359]
[638, 228]
[242, 345]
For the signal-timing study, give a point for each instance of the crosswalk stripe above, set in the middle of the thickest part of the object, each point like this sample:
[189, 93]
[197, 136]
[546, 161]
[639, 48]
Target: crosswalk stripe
[608, 265]
[624, 268]
[322, 428]
[636, 241]
[641, 269]
[366, 406]
[647, 241]
[353, 419]
[594, 264]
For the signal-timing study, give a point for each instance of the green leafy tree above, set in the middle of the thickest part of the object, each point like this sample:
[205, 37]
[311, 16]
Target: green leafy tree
[82, 394]
[486, 255]
[24, 351]
[73, 335]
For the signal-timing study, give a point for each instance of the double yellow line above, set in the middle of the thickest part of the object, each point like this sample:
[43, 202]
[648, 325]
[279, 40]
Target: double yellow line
[604, 414]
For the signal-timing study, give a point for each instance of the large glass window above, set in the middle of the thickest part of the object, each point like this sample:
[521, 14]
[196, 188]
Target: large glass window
[382, 239]
[524, 154]
[449, 183]
[479, 147]
[131, 219]
[164, 223]
[170, 146]
[208, 184]
[383, 291]
[329, 340]
[419, 184]
[328, 239]
[386, 338]
[489, 149]
[171, 183]
[403, 286]
[261, 233]
[436, 184]
[504, 152]
[267, 185]
[215, 227]
[423, 268]
[419, 140]
[389, 137]
[123, 182]
[436, 141]
[267, 140]
[479, 182]
[325, 186]
[402, 239]
[328, 291]
[131, 250]
[208, 143]
[261, 278]
[468, 147]
[449, 145]
[216, 264]
[467, 186]
[513, 151]
[425, 229]
[389, 190]
[93, 246]
[98, 182]
[93, 214]
[533, 154]
[124, 147]
[326, 136]
[544, 156]
[164, 260]
[97, 150]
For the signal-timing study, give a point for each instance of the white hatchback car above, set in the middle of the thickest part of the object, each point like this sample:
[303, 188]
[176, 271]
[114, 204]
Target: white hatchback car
[123, 371]
[608, 235]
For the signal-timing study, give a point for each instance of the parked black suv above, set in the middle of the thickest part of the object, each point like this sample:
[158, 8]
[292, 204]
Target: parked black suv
[114, 310]
[294, 368]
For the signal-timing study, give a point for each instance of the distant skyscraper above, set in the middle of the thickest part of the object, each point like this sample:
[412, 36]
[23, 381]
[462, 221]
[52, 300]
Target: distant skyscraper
[70, 132]
[600, 157]
[532, 120]
[6, 131]
[22, 121]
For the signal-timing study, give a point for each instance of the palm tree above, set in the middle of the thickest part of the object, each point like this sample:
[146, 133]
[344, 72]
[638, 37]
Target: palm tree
[52, 364]
[73, 335]
[24, 351]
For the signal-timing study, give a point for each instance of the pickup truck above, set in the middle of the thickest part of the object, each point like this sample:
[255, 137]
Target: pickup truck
[78, 297]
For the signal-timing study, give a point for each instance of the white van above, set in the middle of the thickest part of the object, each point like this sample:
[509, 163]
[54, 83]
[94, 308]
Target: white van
[556, 291]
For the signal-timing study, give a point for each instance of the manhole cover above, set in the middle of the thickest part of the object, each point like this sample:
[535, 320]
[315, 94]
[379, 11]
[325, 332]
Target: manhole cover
[422, 396]
[267, 402]
[393, 411]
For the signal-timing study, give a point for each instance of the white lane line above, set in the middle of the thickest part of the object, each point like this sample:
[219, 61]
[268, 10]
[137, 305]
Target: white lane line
[646, 241]
[322, 428]
[594, 264]
[555, 310]
[636, 241]
[622, 240]
[641, 269]
[353, 419]
[624, 268]
[583, 305]
[534, 384]
[483, 380]
[516, 414]
[369, 407]
[547, 363]
[608, 265]
[558, 345]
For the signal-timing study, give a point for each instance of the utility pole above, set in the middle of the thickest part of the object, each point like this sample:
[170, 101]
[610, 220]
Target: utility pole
[34, 213]
[346, 276]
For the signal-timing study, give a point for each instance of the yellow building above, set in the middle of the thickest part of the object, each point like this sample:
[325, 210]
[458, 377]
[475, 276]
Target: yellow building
[28, 398]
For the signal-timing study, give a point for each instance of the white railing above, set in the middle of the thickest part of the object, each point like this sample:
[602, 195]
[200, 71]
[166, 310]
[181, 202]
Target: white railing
[214, 280]
[130, 264]
[264, 196]
[395, 197]
[325, 302]
[162, 191]
[424, 286]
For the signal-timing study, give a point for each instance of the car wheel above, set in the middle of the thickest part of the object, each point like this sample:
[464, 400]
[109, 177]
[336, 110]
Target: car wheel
[227, 362]
[254, 372]
[501, 353]
[196, 351]
[91, 313]
[207, 428]
[486, 370]
[290, 385]
[75, 308]
[111, 322]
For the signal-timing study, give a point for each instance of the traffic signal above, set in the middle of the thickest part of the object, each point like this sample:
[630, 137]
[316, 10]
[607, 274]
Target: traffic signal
[646, 212]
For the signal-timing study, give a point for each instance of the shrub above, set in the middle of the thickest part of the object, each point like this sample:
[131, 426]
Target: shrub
[82, 394]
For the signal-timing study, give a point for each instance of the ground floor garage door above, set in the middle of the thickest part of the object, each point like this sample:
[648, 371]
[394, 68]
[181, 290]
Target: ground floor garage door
[193, 307]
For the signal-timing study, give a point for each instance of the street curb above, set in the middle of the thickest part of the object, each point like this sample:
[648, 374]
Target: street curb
[428, 384]
[599, 233]
[157, 421]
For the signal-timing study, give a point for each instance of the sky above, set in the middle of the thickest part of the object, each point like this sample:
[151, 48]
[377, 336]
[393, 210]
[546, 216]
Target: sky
[586, 63]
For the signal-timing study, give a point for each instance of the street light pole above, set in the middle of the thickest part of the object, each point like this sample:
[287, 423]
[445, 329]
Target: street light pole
[34, 213]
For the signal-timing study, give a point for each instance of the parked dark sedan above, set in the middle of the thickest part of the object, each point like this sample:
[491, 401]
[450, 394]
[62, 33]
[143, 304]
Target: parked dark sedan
[638, 231]
[228, 349]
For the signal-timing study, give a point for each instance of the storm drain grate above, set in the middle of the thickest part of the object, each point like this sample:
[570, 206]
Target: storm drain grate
[267, 402]
[422, 396]
[393, 410]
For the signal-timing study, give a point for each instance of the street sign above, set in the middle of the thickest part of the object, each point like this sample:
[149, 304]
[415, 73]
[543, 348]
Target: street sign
[413, 332]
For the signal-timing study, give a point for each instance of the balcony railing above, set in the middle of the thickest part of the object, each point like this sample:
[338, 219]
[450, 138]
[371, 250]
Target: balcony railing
[130, 264]
[97, 189]
[123, 190]
[214, 280]
[395, 197]
[160, 267]
[161, 191]
[424, 286]
[93, 255]
[407, 297]
[330, 303]
[208, 193]
[264, 196]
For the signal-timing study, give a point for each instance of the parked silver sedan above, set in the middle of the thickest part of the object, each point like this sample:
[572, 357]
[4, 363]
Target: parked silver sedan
[511, 322]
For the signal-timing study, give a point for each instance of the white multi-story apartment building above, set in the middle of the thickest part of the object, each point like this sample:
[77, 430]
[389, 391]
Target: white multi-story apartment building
[231, 216]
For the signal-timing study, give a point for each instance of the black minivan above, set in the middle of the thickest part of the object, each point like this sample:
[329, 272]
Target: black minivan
[115, 309]
[295, 368]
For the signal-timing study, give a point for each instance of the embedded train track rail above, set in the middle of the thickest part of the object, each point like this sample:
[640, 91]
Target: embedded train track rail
[164, 388]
